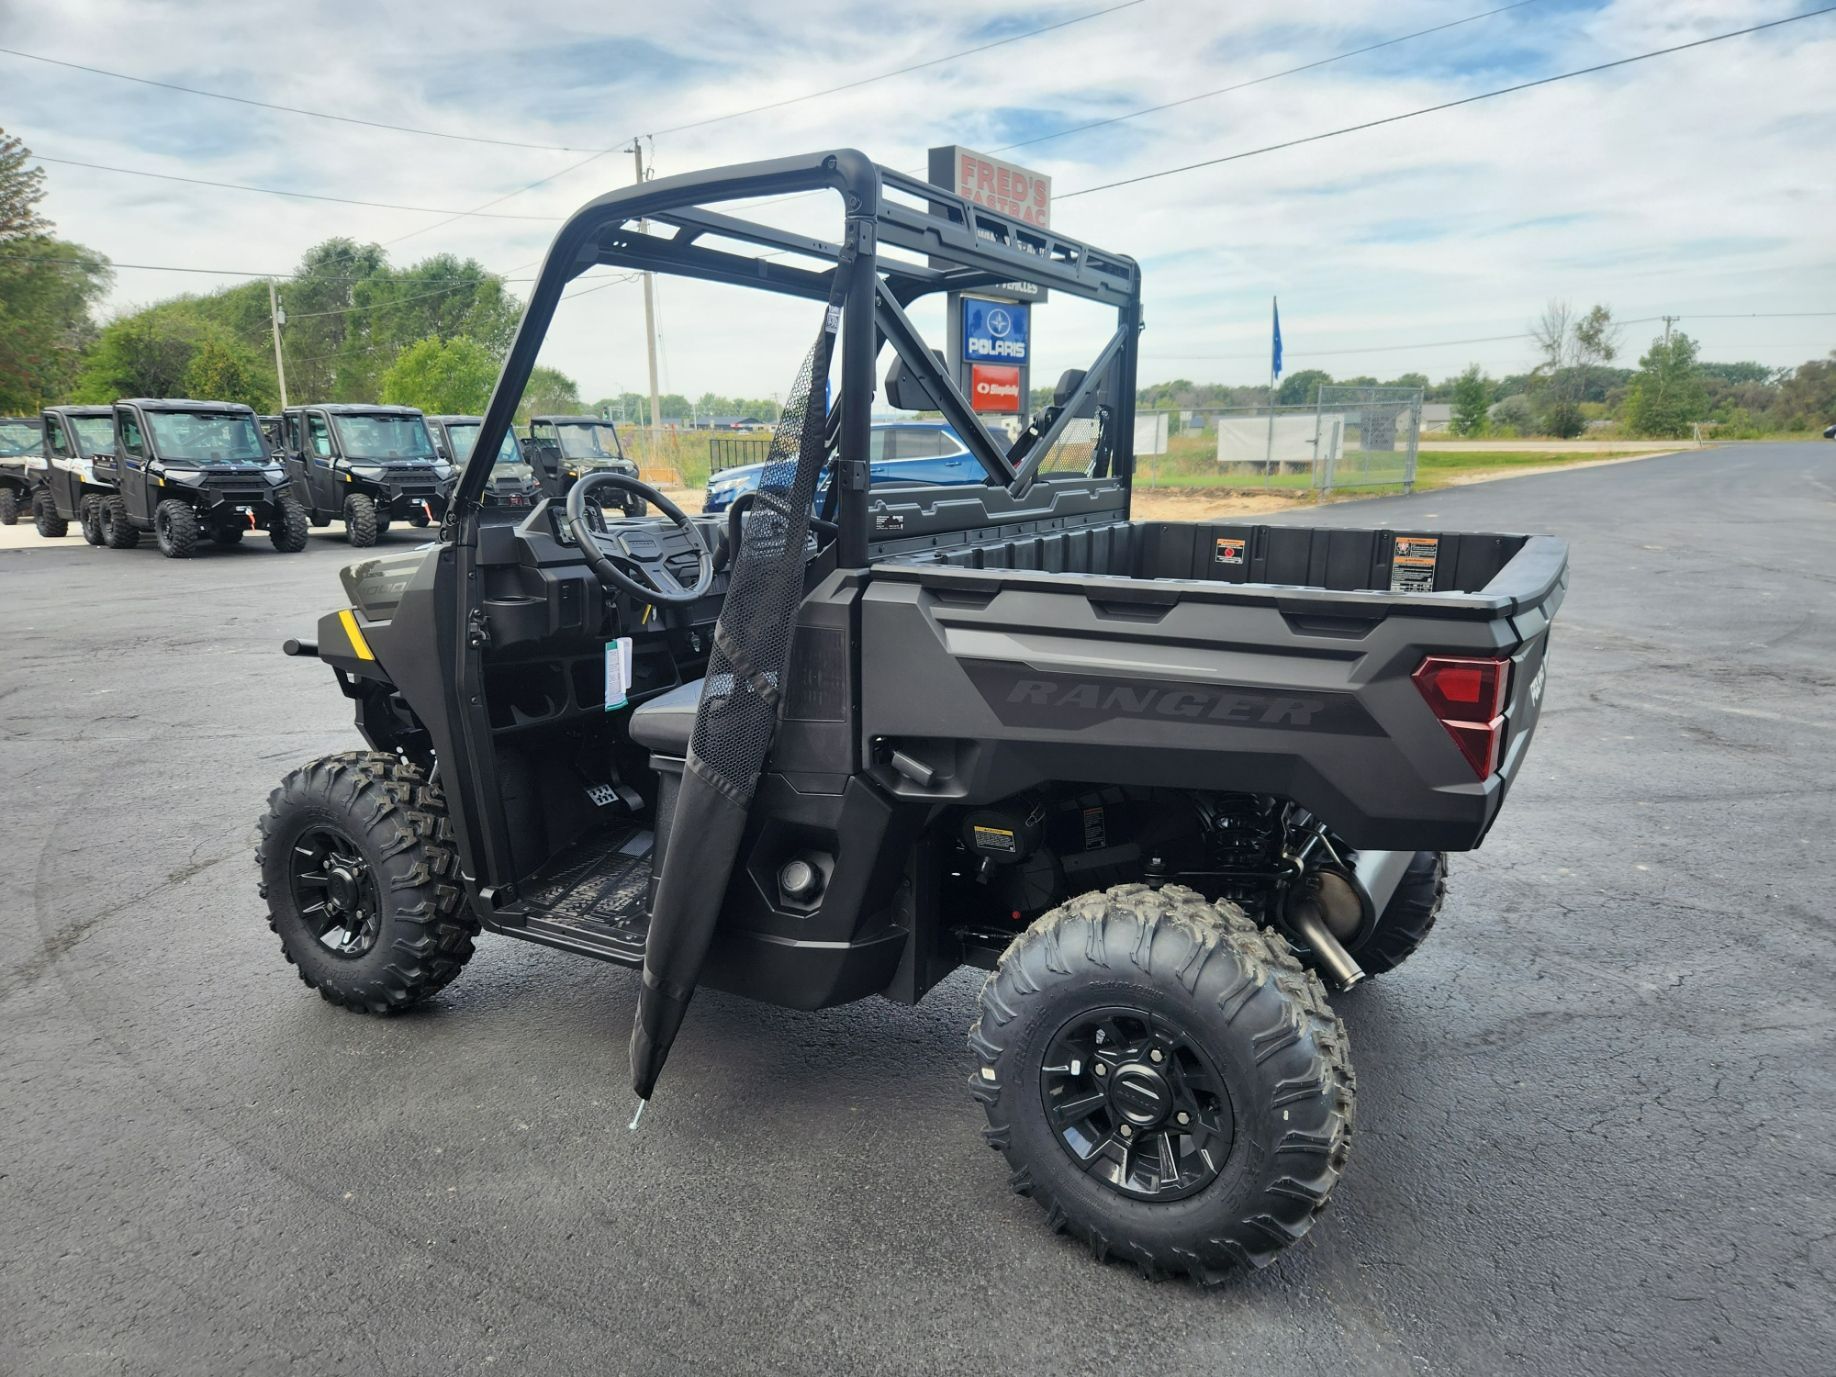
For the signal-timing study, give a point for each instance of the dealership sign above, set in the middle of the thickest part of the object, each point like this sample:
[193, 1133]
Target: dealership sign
[994, 331]
[995, 387]
[1014, 191]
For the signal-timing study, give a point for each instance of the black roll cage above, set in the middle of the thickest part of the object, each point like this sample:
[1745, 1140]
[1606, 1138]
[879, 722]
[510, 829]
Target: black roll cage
[964, 247]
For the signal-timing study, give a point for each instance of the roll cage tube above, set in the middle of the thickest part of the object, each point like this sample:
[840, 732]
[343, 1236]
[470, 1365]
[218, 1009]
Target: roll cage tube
[598, 232]
[953, 245]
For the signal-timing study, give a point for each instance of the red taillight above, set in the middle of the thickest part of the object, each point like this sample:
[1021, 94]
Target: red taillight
[1468, 698]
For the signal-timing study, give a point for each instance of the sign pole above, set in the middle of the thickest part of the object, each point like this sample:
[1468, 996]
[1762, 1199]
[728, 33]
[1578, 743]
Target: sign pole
[1268, 453]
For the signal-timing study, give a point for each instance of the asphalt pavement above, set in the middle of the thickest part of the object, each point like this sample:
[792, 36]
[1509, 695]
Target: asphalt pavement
[1595, 1112]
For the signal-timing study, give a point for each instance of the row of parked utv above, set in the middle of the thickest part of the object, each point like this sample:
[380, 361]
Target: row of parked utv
[188, 472]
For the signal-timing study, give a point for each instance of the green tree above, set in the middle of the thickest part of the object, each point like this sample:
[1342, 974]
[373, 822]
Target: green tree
[1666, 394]
[47, 290]
[1807, 399]
[1472, 395]
[22, 187]
[549, 392]
[1573, 346]
[223, 369]
[1298, 389]
[142, 355]
[453, 375]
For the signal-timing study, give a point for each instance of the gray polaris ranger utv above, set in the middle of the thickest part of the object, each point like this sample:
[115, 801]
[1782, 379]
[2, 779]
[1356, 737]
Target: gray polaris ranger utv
[22, 460]
[1169, 784]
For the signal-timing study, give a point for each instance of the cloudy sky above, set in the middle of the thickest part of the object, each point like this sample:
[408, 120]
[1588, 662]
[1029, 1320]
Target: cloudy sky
[1698, 184]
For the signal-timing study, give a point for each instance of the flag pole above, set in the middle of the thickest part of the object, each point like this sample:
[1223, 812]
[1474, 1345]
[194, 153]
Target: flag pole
[1268, 452]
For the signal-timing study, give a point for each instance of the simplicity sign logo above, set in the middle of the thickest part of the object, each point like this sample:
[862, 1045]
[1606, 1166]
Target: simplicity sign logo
[995, 331]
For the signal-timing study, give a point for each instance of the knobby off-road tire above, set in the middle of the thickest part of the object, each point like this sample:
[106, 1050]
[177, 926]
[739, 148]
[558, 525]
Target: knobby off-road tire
[118, 532]
[1241, 1001]
[393, 820]
[89, 519]
[1408, 918]
[289, 527]
[44, 516]
[9, 507]
[175, 527]
[360, 523]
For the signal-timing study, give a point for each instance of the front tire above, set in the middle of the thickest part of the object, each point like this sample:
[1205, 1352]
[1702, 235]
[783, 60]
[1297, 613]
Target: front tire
[44, 516]
[118, 531]
[9, 507]
[289, 527]
[362, 882]
[175, 527]
[360, 520]
[1190, 1010]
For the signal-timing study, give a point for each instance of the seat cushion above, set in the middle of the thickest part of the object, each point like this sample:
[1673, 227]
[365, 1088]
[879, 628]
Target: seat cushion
[665, 723]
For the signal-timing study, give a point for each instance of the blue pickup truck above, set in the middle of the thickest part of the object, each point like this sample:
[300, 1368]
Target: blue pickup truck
[900, 452]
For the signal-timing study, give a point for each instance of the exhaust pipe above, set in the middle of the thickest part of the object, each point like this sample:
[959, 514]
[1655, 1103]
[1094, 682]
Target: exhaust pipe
[1340, 966]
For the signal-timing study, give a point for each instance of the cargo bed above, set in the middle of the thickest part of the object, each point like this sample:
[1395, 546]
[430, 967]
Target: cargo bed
[1269, 659]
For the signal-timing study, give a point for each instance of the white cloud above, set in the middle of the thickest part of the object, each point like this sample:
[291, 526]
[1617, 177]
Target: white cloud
[1692, 183]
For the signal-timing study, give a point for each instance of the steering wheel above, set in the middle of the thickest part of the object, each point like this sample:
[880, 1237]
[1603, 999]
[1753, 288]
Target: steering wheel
[608, 573]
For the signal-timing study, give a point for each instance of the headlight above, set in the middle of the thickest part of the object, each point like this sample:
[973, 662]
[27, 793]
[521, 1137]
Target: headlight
[442, 469]
[367, 470]
[181, 475]
[275, 475]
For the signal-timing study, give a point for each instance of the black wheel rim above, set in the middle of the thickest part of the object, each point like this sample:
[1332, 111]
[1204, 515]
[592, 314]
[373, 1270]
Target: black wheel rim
[335, 892]
[1137, 1103]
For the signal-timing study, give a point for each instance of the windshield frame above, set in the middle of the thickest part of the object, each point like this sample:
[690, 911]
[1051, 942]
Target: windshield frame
[509, 453]
[34, 442]
[164, 444]
[560, 428]
[347, 452]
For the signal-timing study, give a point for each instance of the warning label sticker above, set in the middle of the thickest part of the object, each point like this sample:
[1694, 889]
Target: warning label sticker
[995, 839]
[1413, 562]
[1230, 550]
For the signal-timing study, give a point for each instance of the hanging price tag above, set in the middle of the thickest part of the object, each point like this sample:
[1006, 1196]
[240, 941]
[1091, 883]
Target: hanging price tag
[618, 672]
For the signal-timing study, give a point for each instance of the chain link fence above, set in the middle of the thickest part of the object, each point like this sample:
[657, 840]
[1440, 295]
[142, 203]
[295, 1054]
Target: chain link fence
[1349, 437]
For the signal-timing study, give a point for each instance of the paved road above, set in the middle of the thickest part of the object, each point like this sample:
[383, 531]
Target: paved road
[1595, 1120]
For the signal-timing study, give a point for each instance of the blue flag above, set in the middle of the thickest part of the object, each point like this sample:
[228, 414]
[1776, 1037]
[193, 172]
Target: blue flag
[1275, 355]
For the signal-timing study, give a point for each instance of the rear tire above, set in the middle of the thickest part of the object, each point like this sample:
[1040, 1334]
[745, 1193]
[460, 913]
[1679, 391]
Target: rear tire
[1409, 917]
[288, 527]
[44, 516]
[360, 520]
[118, 532]
[175, 527]
[1248, 1049]
[9, 507]
[386, 924]
[89, 518]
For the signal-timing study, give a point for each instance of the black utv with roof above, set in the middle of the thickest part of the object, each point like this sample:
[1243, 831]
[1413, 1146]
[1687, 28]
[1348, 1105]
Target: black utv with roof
[187, 471]
[78, 474]
[512, 486]
[565, 449]
[22, 459]
[366, 466]
[1169, 784]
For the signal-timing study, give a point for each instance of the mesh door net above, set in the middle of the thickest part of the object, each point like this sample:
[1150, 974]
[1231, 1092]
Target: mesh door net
[738, 711]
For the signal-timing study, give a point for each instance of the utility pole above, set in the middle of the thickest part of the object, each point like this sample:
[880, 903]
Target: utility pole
[650, 325]
[275, 317]
[1668, 322]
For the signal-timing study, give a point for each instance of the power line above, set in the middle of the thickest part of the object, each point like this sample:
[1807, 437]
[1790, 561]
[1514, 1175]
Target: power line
[1258, 81]
[287, 109]
[229, 272]
[1206, 95]
[1447, 105]
[280, 191]
[715, 119]
[898, 71]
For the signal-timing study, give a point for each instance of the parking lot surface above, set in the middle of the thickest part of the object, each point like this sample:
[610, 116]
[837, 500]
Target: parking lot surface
[1595, 1113]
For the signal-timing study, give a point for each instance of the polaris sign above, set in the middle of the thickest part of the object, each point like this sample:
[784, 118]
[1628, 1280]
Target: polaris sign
[994, 331]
